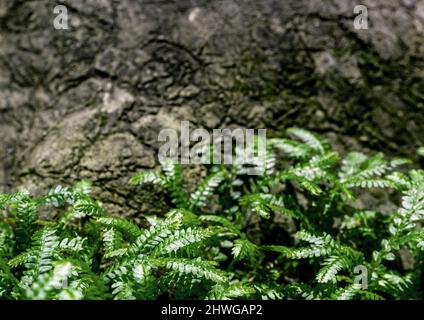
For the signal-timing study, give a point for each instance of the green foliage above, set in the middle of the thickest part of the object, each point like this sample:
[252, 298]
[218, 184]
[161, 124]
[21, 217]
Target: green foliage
[298, 231]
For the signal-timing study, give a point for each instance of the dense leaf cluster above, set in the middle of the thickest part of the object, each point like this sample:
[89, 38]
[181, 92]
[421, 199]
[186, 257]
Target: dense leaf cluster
[205, 248]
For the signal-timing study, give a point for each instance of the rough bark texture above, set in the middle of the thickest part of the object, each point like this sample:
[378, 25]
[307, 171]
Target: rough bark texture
[88, 102]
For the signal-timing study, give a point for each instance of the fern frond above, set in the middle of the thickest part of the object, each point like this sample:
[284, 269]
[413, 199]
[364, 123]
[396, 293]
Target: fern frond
[232, 291]
[359, 170]
[285, 251]
[347, 293]
[206, 188]
[332, 266]
[267, 292]
[315, 142]
[26, 211]
[72, 245]
[128, 229]
[297, 176]
[314, 239]
[147, 177]
[399, 180]
[7, 241]
[192, 268]
[150, 238]
[292, 148]
[123, 290]
[244, 249]
[173, 183]
[87, 207]
[173, 171]
[10, 199]
[265, 204]
[231, 226]
[40, 255]
[53, 285]
[395, 285]
[411, 212]
[82, 187]
[84, 207]
[258, 204]
[317, 251]
[60, 196]
[182, 240]
[146, 282]
[317, 169]
[370, 183]
[8, 281]
[20, 259]
[112, 241]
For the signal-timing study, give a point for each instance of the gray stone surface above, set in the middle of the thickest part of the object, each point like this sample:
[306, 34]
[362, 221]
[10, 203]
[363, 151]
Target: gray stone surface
[88, 102]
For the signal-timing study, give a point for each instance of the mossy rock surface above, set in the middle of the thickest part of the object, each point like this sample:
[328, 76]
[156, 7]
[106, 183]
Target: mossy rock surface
[88, 102]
